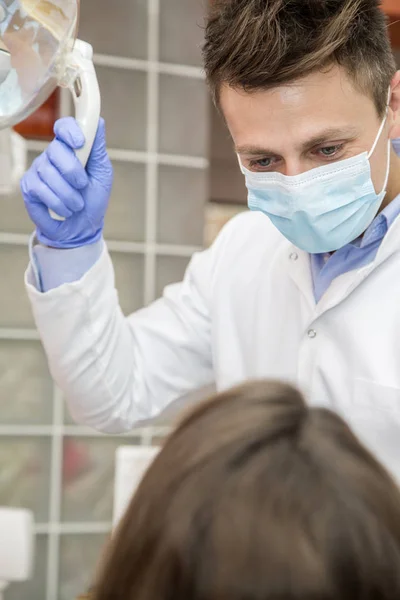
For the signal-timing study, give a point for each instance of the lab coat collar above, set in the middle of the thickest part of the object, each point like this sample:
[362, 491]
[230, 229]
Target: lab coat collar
[299, 269]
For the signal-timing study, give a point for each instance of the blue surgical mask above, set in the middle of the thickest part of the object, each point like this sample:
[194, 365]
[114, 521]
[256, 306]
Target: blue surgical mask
[324, 209]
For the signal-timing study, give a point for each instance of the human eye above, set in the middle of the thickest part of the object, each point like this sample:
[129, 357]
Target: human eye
[262, 164]
[331, 152]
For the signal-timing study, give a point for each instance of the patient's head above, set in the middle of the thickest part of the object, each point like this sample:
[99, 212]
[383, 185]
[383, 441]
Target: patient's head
[255, 496]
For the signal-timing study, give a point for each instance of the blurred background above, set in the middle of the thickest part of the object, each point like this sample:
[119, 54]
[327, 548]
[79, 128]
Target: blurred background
[176, 184]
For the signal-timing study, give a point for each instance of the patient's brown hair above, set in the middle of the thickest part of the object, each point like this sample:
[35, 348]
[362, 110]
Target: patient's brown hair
[255, 496]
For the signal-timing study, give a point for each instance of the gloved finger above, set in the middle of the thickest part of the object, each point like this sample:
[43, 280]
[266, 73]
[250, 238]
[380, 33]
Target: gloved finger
[35, 191]
[63, 158]
[39, 214]
[68, 131]
[68, 195]
[99, 166]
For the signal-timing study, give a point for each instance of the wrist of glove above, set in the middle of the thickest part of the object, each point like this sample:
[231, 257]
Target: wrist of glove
[76, 242]
[58, 181]
[68, 240]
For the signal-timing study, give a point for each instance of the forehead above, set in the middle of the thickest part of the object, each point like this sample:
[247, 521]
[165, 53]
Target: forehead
[297, 110]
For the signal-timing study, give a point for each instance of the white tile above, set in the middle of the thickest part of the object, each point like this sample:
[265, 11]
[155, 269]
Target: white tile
[182, 198]
[14, 218]
[15, 310]
[170, 269]
[26, 388]
[129, 274]
[182, 31]
[25, 474]
[118, 28]
[124, 98]
[125, 219]
[88, 478]
[79, 556]
[184, 106]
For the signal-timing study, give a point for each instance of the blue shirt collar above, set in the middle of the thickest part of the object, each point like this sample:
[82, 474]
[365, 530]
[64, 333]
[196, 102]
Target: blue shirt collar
[381, 224]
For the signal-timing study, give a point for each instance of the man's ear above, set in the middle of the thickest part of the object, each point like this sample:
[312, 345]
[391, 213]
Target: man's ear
[395, 107]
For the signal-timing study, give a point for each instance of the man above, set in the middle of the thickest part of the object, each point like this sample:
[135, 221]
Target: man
[305, 288]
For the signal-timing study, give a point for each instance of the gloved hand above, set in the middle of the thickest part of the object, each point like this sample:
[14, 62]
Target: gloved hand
[57, 180]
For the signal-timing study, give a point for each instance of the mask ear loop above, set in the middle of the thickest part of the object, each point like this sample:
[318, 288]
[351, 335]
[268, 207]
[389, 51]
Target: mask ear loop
[378, 137]
[389, 143]
[388, 167]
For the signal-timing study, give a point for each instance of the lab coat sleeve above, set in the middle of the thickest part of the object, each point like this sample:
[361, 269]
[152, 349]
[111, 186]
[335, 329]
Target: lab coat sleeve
[113, 370]
[56, 267]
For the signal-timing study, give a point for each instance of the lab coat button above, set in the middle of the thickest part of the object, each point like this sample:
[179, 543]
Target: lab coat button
[312, 334]
[294, 256]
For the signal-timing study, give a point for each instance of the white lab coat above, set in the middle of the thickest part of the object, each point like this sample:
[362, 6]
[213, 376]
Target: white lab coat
[245, 310]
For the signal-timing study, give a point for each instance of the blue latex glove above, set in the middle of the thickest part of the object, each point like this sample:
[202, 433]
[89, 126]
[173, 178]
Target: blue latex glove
[57, 180]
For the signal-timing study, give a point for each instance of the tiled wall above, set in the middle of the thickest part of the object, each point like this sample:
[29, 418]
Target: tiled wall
[156, 107]
[226, 181]
[227, 188]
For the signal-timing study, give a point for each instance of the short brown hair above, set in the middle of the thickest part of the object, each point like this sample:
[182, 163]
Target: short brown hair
[261, 44]
[257, 497]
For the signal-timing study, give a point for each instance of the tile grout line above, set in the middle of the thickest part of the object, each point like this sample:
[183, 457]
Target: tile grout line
[18, 239]
[140, 157]
[53, 560]
[153, 65]
[152, 147]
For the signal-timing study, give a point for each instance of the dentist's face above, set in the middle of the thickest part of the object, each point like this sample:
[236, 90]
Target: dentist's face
[317, 120]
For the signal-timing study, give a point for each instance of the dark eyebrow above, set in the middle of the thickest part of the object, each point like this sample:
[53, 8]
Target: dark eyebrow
[331, 135]
[328, 135]
[253, 150]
